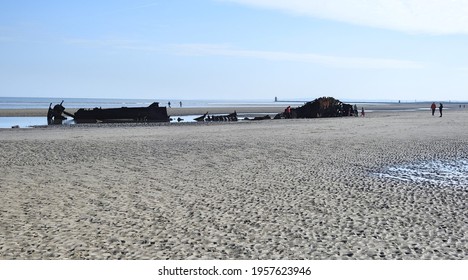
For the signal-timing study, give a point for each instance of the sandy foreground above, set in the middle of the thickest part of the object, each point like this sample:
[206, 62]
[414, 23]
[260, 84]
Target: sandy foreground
[276, 189]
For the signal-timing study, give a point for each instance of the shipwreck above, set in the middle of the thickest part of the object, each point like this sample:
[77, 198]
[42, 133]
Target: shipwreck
[323, 107]
[152, 113]
[217, 118]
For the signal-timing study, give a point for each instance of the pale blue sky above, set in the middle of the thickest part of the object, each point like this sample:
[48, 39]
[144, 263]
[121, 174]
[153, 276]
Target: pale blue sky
[235, 49]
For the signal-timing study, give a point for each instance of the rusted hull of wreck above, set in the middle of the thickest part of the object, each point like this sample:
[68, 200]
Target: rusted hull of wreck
[152, 113]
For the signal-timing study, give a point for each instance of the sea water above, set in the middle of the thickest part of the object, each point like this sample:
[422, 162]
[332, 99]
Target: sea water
[23, 122]
[44, 102]
[444, 173]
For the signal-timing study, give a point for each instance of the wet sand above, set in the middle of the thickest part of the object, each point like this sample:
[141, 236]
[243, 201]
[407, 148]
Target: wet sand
[276, 189]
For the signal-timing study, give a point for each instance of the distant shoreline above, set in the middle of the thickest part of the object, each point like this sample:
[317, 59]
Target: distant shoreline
[185, 111]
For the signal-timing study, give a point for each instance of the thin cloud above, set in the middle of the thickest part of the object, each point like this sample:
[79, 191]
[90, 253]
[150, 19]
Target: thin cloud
[114, 44]
[412, 16]
[228, 51]
[325, 60]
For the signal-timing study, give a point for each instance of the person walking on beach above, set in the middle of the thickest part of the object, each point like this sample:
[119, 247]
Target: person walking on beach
[180, 103]
[433, 107]
[356, 114]
[363, 113]
[440, 109]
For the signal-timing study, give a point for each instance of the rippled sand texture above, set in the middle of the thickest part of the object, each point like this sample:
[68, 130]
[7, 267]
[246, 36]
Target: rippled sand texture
[279, 189]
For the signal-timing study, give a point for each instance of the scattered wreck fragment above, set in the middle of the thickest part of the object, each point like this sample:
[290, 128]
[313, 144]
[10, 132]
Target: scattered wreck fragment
[152, 113]
[323, 107]
[266, 117]
[217, 118]
[201, 118]
[55, 114]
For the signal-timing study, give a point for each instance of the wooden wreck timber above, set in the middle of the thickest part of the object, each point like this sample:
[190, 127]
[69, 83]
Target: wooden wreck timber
[323, 107]
[217, 118]
[261, 118]
[201, 118]
[152, 113]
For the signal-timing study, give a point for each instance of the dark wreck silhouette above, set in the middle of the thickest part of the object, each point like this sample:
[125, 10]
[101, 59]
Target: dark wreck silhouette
[217, 118]
[152, 113]
[323, 107]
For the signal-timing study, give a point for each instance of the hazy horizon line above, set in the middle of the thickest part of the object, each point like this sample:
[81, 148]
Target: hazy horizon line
[279, 100]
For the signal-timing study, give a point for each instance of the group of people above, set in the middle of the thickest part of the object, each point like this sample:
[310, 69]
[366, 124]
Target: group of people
[169, 104]
[356, 113]
[434, 106]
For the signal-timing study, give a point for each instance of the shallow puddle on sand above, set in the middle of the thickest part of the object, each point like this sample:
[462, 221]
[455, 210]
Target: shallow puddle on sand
[437, 172]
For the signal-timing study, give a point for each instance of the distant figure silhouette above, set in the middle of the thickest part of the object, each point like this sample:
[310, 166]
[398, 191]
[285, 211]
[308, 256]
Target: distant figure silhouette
[433, 108]
[363, 113]
[440, 109]
[180, 103]
[169, 104]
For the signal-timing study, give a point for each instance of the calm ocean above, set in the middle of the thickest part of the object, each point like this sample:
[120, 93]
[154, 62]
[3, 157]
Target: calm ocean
[43, 103]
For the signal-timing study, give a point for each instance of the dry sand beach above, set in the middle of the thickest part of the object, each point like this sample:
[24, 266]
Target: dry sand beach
[276, 189]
